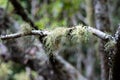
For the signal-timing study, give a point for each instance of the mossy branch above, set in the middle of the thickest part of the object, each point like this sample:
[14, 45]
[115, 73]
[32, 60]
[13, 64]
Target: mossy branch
[54, 38]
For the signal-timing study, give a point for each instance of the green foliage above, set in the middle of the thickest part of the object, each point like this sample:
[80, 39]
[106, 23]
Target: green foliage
[24, 75]
[3, 3]
[42, 23]
[5, 70]
[56, 8]
[71, 6]
[21, 76]
[6, 5]
[8, 72]
[56, 13]
[61, 36]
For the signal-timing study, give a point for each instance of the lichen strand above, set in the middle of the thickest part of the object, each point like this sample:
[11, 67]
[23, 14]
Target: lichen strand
[25, 28]
[80, 34]
[110, 48]
[55, 39]
[110, 45]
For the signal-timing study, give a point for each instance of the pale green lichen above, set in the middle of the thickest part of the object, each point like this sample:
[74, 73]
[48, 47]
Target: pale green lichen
[80, 34]
[110, 45]
[55, 39]
[25, 28]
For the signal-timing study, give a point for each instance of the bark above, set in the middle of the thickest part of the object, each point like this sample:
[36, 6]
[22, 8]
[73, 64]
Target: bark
[116, 60]
[90, 60]
[103, 24]
[90, 12]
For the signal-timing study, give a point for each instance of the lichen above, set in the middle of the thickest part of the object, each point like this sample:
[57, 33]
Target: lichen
[25, 28]
[55, 39]
[110, 45]
[80, 34]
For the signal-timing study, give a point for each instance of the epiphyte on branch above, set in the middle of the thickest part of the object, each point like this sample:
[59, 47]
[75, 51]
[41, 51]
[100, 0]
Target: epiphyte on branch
[25, 28]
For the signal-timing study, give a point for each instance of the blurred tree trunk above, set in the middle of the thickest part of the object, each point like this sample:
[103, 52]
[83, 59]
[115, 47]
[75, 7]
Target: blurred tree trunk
[91, 50]
[90, 61]
[116, 60]
[90, 12]
[102, 23]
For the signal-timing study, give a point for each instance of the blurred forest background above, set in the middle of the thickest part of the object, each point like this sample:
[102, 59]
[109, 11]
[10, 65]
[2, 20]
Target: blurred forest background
[26, 59]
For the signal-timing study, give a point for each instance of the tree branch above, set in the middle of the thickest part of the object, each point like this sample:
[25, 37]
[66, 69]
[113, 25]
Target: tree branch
[21, 34]
[94, 31]
[99, 34]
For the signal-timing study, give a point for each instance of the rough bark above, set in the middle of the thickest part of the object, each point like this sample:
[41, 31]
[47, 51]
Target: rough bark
[102, 23]
[116, 60]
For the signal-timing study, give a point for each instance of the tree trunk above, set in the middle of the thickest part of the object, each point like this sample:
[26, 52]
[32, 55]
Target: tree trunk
[90, 12]
[103, 24]
[91, 50]
[116, 60]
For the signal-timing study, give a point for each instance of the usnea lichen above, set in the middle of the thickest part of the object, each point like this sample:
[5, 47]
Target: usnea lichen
[53, 39]
[80, 34]
[110, 45]
[57, 36]
[25, 28]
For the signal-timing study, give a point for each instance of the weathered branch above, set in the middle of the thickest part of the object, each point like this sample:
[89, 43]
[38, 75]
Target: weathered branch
[99, 33]
[94, 31]
[21, 34]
